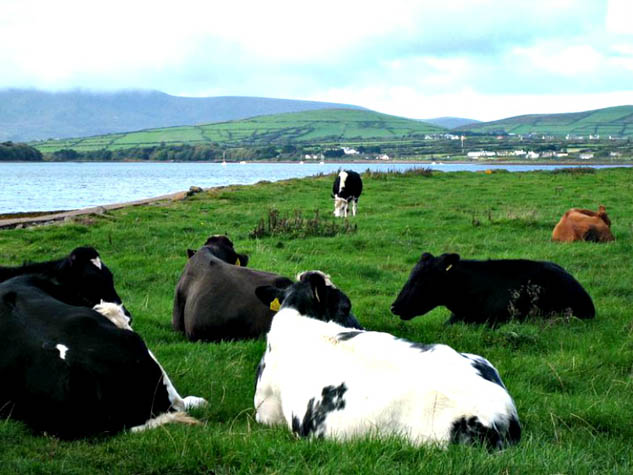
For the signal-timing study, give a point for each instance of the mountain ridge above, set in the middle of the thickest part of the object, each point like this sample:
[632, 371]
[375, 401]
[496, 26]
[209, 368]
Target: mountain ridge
[30, 114]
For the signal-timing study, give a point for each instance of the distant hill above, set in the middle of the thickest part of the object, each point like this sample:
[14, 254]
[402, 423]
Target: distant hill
[27, 114]
[450, 122]
[615, 121]
[318, 126]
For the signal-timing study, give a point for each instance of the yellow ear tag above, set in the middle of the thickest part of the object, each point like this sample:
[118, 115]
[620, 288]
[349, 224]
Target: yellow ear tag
[449, 267]
[275, 305]
[237, 262]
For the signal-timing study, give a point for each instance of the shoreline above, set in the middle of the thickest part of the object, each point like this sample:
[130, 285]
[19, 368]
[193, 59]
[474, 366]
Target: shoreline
[50, 217]
[34, 218]
[625, 163]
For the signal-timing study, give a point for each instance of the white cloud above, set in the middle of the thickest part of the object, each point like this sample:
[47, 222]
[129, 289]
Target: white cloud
[619, 17]
[410, 58]
[565, 60]
[410, 102]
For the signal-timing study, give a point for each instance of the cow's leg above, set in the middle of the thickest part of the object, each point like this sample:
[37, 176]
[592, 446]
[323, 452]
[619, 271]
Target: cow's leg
[354, 207]
[178, 402]
[268, 408]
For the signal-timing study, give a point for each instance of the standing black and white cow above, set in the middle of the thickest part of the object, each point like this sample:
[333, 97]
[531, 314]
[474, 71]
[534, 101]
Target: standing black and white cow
[81, 278]
[325, 380]
[346, 189]
[73, 371]
[492, 291]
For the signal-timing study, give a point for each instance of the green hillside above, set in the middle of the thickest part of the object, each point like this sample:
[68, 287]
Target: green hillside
[614, 121]
[328, 125]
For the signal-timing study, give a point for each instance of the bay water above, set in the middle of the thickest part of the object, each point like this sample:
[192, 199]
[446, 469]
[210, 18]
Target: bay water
[56, 186]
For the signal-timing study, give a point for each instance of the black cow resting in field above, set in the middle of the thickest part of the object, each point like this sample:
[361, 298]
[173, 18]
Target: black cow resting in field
[492, 291]
[215, 296]
[346, 189]
[81, 278]
[72, 371]
[215, 300]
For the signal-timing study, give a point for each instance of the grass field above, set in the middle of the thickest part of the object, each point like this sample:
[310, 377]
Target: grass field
[298, 127]
[572, 381]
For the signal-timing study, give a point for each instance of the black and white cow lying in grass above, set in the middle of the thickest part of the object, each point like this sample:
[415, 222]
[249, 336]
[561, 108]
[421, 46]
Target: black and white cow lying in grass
[72, 371]
[325, 380]
[81, 278]
[346, 189]
[492, 291]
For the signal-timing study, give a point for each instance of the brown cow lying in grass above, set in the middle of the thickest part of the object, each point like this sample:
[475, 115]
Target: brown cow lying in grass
[583, 225]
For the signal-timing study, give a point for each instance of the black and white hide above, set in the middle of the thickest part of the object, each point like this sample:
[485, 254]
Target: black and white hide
[322, 379]
[73, 371]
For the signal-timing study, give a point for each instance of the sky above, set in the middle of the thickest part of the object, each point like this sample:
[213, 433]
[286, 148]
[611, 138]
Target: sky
[479, 59]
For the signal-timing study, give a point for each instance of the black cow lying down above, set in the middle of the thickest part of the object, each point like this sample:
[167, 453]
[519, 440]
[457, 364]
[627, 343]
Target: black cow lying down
[81, 278]
[215, 296]
[492, 291]
[215, 300]
[73, 371]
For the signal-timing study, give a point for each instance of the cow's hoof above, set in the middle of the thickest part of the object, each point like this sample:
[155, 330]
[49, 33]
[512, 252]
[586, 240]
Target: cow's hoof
[192, 402]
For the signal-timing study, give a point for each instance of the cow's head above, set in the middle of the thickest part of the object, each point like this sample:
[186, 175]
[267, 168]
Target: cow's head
[85, 275]
[602, 213]
[425, 287]
[222, 248]
[313, 295]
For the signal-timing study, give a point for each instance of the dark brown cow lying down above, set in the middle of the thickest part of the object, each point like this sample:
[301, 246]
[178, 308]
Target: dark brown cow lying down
[583, 225]
[215, 299]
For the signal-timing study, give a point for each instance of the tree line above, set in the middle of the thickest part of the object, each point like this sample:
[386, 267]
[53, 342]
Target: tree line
[19, 152]
[180, 153]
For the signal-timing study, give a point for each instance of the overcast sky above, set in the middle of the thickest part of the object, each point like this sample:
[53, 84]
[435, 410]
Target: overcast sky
[481, 59]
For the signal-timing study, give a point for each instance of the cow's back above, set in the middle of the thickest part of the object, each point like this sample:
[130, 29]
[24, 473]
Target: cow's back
[497, 290]
[217, 301]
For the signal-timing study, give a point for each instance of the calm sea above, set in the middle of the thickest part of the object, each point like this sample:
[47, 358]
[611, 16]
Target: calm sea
[72, 185]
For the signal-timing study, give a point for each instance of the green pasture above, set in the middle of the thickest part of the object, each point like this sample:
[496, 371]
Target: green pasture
[572, 380]
[297, 127]
[616, 121]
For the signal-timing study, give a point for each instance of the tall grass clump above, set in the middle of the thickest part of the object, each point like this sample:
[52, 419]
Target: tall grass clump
[296, 226]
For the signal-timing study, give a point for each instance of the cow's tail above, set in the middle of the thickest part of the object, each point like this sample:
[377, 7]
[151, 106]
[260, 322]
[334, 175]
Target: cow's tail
[166, 418]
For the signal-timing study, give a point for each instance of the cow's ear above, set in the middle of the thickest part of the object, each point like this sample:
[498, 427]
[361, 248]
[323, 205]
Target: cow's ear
[242, 260]
[270, 296]
[449, 260]
[282, 282]
[426, 256]
[190, 253]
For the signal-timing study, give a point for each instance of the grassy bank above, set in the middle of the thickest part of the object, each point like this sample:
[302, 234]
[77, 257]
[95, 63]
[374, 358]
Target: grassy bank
[572, 380]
